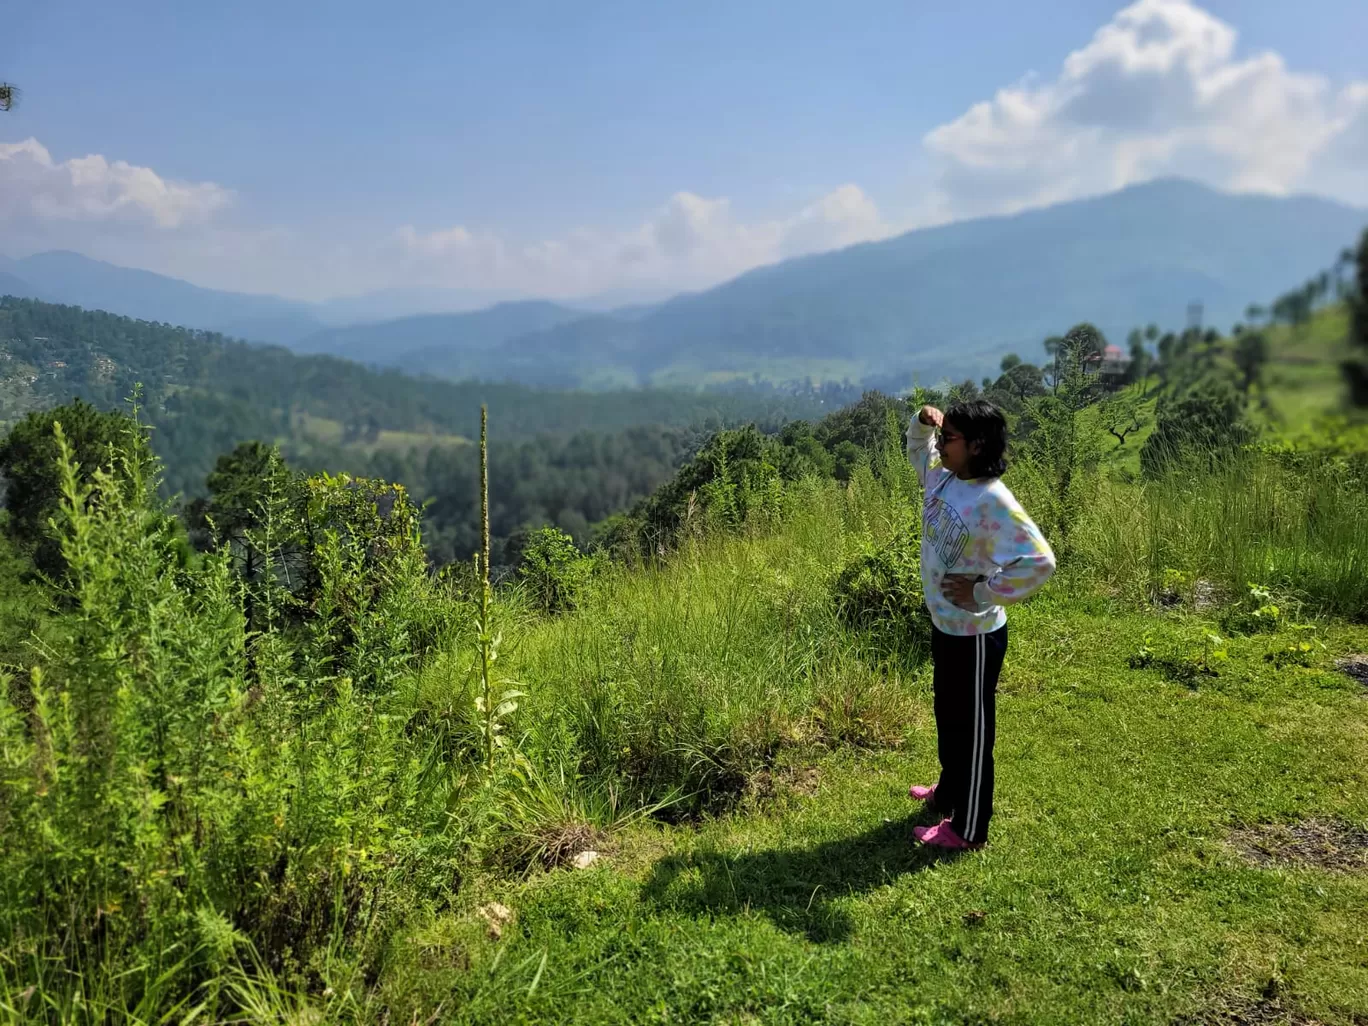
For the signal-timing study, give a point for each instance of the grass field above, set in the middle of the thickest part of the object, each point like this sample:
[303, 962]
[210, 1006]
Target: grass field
[1303, 381]
[1112, 891]
[1125, 882]
[330, 432]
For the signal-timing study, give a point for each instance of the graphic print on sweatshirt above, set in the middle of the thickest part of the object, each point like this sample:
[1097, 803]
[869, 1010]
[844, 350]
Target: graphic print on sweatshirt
[973, 526]
[945, 531]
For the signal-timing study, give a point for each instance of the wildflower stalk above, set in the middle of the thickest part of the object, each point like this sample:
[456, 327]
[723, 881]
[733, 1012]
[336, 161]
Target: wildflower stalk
[492, 710]
[482, 569]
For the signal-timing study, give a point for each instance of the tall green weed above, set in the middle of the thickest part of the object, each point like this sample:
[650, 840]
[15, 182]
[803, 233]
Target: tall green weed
[169, 809]
[1298, 527]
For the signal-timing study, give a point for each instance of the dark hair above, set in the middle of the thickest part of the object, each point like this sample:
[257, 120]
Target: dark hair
[982, 422]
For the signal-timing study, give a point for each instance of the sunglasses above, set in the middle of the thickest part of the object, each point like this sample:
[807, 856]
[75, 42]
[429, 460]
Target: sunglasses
[943, 436]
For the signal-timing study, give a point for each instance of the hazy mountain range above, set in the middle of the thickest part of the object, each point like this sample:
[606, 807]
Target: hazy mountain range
[60, 276]
[949, 299]
[65, 277]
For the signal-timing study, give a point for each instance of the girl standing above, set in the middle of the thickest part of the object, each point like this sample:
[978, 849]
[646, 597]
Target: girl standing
[979, 552]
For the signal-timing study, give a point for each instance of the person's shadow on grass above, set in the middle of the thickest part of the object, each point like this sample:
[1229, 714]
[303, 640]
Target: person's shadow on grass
[794, 887]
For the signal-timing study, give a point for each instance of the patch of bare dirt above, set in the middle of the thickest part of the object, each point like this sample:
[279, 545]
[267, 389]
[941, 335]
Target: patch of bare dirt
[1261, 1013]
[1320, 844]
[1203, 595]
[1355, 666]
[496, 917]
[1269, 1010]
[770, 783]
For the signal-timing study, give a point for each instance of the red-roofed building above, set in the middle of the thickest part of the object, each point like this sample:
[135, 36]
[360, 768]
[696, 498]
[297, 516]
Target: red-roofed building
[1112, 362]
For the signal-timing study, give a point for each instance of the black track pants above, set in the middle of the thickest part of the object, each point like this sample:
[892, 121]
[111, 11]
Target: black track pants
[965, 683]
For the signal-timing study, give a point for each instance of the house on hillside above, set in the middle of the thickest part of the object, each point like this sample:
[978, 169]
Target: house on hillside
[1111, 364]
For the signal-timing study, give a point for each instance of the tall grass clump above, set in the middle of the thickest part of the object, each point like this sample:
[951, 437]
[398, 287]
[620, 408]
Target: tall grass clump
[1300, 526]
[672, 684]
[171, 811]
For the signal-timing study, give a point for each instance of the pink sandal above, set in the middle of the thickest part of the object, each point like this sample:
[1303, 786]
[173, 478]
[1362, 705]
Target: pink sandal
[943, 835]
[922, 793]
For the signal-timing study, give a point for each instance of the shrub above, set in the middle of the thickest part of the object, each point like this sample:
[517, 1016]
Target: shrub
[879, 592]
[734, 480]
[1294, 653]
[555, 571]
[335, 563]
[1201, 428]
[1256, 614]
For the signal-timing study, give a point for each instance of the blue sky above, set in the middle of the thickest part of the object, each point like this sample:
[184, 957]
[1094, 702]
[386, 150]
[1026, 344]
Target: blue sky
[321, 149]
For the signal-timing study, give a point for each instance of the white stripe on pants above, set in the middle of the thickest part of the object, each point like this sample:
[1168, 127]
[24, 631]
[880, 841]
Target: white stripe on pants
[976, 759]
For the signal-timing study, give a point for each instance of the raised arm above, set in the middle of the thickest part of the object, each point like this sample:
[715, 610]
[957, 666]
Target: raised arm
[921, 442]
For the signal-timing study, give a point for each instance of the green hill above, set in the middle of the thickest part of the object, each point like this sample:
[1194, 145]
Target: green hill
[1303, 381]
[945, 300]
[1300, 398]
[204, 393]
[560, 457]
[59, 276]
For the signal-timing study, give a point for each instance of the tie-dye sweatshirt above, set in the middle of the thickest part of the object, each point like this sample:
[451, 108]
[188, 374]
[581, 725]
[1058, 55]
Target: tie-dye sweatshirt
[974, 527]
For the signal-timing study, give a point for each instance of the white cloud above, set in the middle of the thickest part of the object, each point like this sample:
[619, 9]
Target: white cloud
[35, 188]
[1159, 90]
[691, 241]
[841, 218]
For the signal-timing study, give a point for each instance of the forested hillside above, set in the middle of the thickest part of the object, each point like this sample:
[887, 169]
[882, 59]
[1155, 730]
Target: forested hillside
[580, 461]
[71, 278]
[204, 393]
[945, 300]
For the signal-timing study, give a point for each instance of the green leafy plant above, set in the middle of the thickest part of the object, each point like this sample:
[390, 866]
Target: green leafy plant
[1176, 664]
[1293, 653]
[1213, 649]
[1299, 652]
[1173, 586]
[1143, 657]
[556, 573]
[1257, 614]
